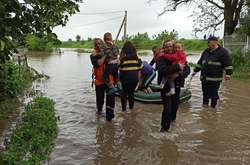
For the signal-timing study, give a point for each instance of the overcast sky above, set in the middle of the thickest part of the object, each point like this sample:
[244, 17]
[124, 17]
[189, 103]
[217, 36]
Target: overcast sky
[142, 17]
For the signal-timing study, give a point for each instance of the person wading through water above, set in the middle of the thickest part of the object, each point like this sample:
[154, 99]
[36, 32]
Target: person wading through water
[111, 52]
[212, 64]
[98, 62]
[130, 66]
[170, 103]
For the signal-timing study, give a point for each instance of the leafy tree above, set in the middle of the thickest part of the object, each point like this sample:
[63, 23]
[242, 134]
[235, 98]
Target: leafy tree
[165, 34]
[70, 40]
[211, 13]
[34, 42]
[33, 16]
[78, 38]
[245, 22]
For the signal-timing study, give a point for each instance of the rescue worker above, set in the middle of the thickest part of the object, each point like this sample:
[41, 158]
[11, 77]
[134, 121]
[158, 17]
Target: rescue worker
[98, 62]
[130, 66]
[147, 75]
[212, 64]
[166, 68]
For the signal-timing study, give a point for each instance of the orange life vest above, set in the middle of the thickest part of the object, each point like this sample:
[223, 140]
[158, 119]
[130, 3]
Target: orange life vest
[98, 74]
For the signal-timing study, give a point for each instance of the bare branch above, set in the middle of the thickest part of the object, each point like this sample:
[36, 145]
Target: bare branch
[215, 4]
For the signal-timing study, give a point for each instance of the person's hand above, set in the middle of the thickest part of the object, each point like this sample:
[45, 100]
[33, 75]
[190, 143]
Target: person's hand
[181, 66]
[110, 42]
[101, 61]
[227, 77]
[93, 52]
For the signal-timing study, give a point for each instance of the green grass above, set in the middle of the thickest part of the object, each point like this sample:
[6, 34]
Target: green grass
[191, 45]
[33, 138]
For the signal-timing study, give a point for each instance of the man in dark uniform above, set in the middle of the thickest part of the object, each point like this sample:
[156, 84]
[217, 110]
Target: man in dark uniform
[170, 103]
[212, 64]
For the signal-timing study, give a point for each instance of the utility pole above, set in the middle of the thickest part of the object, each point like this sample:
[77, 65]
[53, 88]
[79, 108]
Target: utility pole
[125, 26]
[124, 23]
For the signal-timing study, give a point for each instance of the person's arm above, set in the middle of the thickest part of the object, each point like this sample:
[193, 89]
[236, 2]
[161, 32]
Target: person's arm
[227, 64]
[94, 61]
[152, 62]
[183, 58]
[165, 66]
[172, 57]
[198, 66]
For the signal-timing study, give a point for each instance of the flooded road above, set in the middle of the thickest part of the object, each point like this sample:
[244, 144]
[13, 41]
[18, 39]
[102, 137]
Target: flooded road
[199, 136]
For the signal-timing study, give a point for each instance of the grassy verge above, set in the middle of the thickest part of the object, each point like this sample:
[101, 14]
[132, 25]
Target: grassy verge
[191, 45]
[33, 138]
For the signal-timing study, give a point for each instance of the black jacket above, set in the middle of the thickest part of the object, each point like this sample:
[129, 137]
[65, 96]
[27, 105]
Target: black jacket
[165, 67]
[213, 63]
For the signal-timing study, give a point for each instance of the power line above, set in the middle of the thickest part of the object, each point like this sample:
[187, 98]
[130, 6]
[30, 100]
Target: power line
[98, 22]
[100, 13]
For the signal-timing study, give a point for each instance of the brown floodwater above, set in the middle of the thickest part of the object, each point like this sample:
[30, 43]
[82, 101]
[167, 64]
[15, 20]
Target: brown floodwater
[199, 136]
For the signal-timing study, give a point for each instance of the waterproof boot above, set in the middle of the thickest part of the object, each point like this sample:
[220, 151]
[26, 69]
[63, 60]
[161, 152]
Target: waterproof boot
[165, 128]
[214, 103]
[109, 115]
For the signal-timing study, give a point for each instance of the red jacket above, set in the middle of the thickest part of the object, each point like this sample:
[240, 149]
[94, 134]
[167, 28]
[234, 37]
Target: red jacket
[175, 58]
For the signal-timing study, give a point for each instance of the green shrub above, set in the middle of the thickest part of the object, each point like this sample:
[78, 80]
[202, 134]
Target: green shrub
[241, 64]
[9, 107]
[33, 138]
[14, 79]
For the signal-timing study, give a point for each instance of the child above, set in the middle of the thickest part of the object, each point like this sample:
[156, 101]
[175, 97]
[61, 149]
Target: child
[178, 57]
[111, 52]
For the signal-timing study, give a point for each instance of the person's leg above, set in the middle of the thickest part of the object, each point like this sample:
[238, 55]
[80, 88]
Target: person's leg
[175, 103]
[107, 72]
[115, 73]
[124, 94]
[205, 93]
[110, 105]
[100, 91]
[159, 78]
[171, 86]
[166, 113]
[148, 79]
[131, 96]
[215, 95]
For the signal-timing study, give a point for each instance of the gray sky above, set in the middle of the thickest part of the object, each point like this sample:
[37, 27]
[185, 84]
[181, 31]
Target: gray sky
[142, 17]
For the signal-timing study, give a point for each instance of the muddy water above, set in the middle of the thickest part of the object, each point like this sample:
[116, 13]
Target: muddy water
[200, 135]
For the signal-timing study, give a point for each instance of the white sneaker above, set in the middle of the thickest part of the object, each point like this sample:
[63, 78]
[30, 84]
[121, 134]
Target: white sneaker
[171, 92]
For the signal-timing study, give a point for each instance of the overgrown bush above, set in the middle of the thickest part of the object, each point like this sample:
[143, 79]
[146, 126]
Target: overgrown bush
[36, 43]
[241, 64]
[14, 79]
[33, 138]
